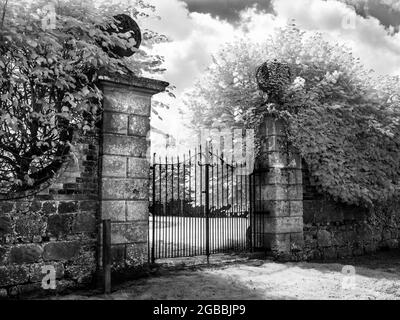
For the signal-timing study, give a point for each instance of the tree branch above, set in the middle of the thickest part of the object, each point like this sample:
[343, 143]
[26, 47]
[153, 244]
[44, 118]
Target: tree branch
[4, 14]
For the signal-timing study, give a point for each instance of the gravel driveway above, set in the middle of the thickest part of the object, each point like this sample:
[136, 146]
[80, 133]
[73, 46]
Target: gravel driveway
[376, 277]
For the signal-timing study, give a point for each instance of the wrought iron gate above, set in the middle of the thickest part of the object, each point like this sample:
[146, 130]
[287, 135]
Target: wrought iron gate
[200, 205]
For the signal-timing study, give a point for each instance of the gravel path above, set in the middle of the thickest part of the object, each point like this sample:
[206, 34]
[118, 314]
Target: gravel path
[377, 277]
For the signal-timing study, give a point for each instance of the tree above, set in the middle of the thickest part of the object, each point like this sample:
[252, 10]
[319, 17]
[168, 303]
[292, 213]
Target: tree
[51, 57]
[343, 119]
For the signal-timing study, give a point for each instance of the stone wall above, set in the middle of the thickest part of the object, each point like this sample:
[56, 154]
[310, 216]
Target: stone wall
[298, 222]
[56, 227]
[335, 230]
[107, 177]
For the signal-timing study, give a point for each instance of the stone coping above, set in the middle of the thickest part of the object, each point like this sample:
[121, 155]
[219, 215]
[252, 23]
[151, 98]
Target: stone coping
[152, 86]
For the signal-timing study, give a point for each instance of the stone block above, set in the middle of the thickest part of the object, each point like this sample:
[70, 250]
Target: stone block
[136, 254]
[125, 145]
[278, 242]
[35, 206]
[324, 238]
[22, 206]
[275, 176]
[296, 208]
[115, 123]
[279, 208]
[57, 251]
[29, 225]
[137, 210]
[338, 238]
[84, 222]
[114, 210]
[275, 208]
[122, 99]
[5, 225]
[82, 266]
[129, 232]
[6, 206]
[283, 224]
[49, 207]
[268, 143]
[67, 206]
[28, 253]
[114, 189]
[138, 168]
[295, 192]
[114, 166]
[59, 224]
[138, 125]
[277, 159]
[330, 253]
[129, 189]
[13, 274]
[91, 205]
[273, 192]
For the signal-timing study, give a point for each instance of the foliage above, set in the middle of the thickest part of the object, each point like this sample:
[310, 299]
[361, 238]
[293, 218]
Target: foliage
[48, 78]
[343, 119]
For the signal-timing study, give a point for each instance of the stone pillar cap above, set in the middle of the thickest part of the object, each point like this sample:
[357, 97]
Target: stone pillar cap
[152, 86]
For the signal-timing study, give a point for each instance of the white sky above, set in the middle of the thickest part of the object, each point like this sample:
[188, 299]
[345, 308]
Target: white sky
[196, 36]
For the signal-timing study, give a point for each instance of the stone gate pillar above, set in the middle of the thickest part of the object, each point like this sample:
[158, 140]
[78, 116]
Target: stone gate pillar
[279, 201]
[124, 156]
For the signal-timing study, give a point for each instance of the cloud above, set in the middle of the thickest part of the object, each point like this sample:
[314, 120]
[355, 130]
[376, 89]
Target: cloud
[393, 5]
[196, 36]
[226, 9]
[386, 11]
[369, 40]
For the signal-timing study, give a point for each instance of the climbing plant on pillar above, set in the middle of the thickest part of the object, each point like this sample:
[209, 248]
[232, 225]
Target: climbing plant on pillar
[51, 55]
[343, 118]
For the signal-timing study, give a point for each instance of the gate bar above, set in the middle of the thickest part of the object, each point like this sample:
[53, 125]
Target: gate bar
[207, 204]
[153, 168]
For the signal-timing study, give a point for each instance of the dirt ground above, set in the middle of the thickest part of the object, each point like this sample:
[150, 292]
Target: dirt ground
[376, 277]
